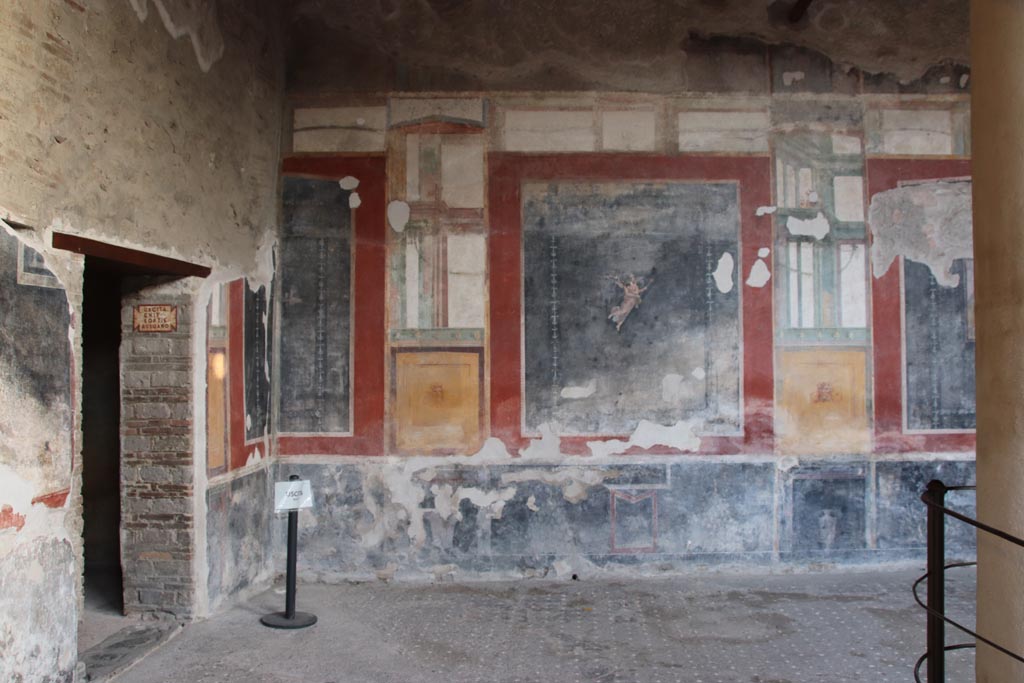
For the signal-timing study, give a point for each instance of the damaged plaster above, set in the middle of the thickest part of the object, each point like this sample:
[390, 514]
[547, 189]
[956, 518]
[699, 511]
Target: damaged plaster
[929, 223]
[196, 19]
[682, 435]
[644, 45]
[816, 227]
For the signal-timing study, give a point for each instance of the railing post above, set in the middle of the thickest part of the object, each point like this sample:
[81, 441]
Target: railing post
[936, 582]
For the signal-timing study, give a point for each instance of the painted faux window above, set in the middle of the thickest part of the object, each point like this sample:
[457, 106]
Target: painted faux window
[821, 243]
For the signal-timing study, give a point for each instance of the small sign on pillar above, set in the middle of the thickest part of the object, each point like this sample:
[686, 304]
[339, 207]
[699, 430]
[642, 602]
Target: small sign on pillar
[155, 318]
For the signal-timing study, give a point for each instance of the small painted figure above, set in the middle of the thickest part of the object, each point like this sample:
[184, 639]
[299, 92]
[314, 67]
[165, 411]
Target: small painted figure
[631, 291]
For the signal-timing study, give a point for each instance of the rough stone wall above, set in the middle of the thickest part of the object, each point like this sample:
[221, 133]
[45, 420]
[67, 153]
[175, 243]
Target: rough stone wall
[110, 127]
[157, 479]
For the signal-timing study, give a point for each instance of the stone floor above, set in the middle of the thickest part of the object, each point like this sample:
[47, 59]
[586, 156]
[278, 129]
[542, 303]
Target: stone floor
[709, 628]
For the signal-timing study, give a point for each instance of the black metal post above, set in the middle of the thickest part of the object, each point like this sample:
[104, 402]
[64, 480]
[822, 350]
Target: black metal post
[936, 582]
[293, 532]
[290, 618]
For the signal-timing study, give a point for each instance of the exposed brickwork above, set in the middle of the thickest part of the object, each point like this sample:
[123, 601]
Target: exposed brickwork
[158, 536]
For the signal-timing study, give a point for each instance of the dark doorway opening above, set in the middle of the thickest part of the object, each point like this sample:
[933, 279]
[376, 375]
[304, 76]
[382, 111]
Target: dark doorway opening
[101, 438]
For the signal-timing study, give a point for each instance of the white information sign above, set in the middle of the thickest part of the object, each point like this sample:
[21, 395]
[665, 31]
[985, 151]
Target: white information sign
[292, 495]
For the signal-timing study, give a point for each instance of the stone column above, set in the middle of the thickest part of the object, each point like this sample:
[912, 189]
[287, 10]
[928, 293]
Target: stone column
[997, 105]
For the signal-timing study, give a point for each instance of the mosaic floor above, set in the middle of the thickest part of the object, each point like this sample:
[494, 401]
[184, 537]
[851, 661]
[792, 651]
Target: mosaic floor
[731, 628]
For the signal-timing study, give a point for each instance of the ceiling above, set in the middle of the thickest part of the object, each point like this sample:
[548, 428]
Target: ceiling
[648, 45]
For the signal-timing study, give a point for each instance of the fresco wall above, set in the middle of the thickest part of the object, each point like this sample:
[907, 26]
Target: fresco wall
[634, 330]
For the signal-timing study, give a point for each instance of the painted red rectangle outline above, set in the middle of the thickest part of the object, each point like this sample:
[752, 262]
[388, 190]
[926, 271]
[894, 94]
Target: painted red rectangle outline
[886, 174]
[368, 318]
[507, 172]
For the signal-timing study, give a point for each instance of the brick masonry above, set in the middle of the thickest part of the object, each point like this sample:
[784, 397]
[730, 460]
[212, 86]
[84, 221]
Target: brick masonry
[157, 476]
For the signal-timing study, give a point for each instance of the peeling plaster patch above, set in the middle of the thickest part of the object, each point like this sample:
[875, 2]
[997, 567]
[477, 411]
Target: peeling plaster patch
[547, 446]
[349, 183]
[531, 503]
[584, 391]
[9, 519]
[682, 436]
[723, 273]
[443, 571]
[763, 252]
[562, 568]
[929, 223]
[575, 482]
[759, 274]
[492, 502]
[766, 210]
[791, 77]
[816, 227]
[354, 201]
[787, 463]
[254, 457]
[813, 197]
[387, 573]
[699, 373]
[493, 449]
[398, 215]
[964, 80]
[944, 80]
[197, 20]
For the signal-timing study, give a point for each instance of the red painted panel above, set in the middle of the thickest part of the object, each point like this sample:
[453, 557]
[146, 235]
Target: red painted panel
[369, 333]
[886, 174]
[236, 374]
[507, 172]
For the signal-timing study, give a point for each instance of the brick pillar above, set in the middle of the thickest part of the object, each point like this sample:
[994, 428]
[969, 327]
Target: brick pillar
[157, 476]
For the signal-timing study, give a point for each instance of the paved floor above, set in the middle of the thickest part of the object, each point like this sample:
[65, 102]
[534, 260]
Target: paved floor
[791, 628]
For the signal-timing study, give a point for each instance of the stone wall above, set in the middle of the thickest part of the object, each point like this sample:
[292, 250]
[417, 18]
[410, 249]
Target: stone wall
[158, 533]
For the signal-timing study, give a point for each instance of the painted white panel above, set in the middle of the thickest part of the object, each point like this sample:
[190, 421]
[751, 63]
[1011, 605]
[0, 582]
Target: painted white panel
[339, 129]
[462, 172]
[412, 283]
[465, 300]
[848, 194]
[807, 284]
[723, 131]
[794, 284]
[412, 167]
[917, 131]
[467, 264]
[853, 307]
[845, 144]
[805, 179]
[467, 253]
[790, 186]
[411, 109]
[628, 130]
[549, 131]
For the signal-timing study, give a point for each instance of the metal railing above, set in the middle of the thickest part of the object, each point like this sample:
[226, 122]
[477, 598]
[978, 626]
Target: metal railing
[935, 498]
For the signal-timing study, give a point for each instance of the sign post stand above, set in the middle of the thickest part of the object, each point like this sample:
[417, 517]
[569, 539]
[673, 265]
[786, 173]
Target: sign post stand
[291, 497]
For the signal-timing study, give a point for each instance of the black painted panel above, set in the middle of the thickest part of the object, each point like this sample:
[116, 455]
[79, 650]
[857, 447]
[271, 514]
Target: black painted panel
[940, 350]
[676, 355]
[315, 307]
[34, 321]
[257, 364]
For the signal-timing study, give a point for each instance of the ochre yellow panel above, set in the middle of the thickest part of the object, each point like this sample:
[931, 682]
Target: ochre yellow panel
[822, 406]
[437, 402]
